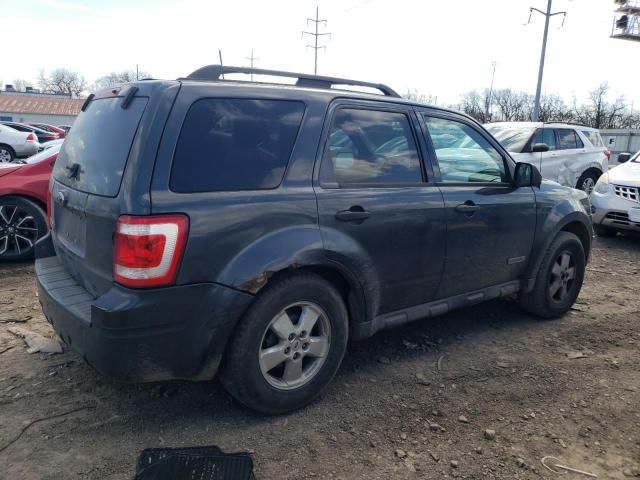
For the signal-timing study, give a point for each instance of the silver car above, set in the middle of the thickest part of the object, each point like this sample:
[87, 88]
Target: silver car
[616, 199]
[15, 144]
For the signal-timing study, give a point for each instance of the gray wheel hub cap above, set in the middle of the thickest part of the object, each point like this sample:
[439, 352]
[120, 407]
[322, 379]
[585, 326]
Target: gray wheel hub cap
[295, 345]
[5, 156]
[563, 274]
[588, 185]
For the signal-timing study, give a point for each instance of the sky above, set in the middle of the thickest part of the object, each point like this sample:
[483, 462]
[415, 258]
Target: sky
[440, 48]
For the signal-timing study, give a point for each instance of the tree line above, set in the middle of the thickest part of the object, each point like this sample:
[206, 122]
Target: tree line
[598, 110]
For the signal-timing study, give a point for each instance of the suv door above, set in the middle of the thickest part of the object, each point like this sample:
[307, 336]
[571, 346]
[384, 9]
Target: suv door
[546, 161]
[490, 222]
[569, 163]
[378, 212]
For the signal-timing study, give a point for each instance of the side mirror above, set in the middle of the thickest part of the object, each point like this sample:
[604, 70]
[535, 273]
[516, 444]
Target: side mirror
[624, 157]
[526, 175]
[539, 148]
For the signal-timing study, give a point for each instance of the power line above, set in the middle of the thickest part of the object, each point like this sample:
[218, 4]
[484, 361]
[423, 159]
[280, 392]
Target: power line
[547, 17]
[251, 60]
[317, 21]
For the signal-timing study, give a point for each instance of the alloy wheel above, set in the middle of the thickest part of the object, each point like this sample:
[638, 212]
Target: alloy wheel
[295, 345]
[588, 185]
[5, 155]
[563, 275]
[18, 231]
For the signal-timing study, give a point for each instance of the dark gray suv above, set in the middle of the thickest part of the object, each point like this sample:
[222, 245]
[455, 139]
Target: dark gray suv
[206, 224]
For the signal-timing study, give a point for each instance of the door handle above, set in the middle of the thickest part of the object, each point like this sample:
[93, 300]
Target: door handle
[354, 214]
[467, 207]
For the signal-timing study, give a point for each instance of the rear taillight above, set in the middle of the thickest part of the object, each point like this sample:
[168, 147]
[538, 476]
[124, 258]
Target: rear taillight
[608, 155]
[148, 250]
[31, 137]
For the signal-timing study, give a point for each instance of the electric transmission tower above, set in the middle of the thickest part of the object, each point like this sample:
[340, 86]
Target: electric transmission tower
[317, 21]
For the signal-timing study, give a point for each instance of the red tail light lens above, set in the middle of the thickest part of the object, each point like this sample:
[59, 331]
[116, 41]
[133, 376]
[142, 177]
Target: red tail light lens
[31, 137]
[608, 154]
[148, 250]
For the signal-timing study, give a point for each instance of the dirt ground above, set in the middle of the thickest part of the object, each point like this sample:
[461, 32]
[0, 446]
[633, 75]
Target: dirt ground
[414, 402]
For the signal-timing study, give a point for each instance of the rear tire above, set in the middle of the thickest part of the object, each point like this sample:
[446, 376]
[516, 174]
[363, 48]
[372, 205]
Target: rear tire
[559, 278]
[288, 346]
[22, 223]
[6, 154]
[602, 231]
[587, 182]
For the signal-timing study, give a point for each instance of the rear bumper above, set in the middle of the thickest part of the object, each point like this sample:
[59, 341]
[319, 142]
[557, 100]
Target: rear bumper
[26, 149]
[142, 335]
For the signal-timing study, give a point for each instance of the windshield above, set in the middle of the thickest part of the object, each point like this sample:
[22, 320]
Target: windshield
[512, 138]
[43, 155]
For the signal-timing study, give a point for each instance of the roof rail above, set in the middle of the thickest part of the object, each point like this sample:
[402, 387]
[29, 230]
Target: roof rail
[215, 72]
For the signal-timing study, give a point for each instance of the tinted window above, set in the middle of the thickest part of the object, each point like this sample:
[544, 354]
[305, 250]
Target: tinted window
[370, 147]
[99, 144]
[545, 135]
[512, 138]
[463, 154]
[567, 139]
[235, 144]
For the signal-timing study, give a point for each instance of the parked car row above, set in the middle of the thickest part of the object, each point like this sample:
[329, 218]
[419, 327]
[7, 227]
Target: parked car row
[21, 140]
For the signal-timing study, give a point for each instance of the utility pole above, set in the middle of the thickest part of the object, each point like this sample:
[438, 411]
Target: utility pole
[137, 74]
[315, 46]
[487, 109]
[251, 60]
[547, 17]
[221, 64]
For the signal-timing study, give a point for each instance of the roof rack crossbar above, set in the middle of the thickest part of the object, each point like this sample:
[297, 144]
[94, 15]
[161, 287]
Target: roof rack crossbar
[215, 72]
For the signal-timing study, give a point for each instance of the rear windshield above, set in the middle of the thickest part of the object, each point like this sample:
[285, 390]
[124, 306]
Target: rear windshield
[593, 137]
[235, 144]
[95, 151]
[512, 138]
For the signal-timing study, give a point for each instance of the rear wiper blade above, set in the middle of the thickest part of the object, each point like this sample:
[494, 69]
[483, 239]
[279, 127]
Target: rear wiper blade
[87, 102]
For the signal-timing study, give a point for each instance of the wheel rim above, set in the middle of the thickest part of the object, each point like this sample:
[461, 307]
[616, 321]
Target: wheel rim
[295, 345]
[18, 231]
[563, 276]
[588, 185]
[5, 156]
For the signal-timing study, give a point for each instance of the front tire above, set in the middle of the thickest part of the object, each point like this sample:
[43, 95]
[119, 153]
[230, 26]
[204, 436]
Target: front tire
[587, 182]
[288, 346]
[559, 278]
[22, 223]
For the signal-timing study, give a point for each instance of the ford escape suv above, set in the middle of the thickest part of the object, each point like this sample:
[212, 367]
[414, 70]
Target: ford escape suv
[204, 225]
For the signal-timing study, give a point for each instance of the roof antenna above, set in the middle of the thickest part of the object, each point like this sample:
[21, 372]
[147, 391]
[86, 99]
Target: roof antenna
[221, 64]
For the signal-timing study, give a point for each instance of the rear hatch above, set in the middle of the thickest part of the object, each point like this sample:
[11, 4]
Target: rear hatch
[87, 187]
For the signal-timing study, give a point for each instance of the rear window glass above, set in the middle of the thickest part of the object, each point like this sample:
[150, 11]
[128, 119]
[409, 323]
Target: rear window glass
[568, 139]
[593, 137]
[512, 138]
[235, 144]
[99, 145]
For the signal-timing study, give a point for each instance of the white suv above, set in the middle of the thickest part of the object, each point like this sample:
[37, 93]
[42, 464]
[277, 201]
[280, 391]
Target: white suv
[571, 155]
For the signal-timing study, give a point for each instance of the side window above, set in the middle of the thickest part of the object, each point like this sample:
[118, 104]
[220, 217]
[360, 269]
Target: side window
[594, 138]
[567, 139]
[235, 144]
[463, 154]
[579, 143]
[549, 137]
[368, 147]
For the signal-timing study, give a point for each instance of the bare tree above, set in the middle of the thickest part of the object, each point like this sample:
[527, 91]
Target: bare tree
[119, 78]
[20, 85]
[473, 103]
[513, 106]
[62, 80]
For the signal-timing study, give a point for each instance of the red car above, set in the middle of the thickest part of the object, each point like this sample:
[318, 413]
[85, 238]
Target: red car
[50, 128]
[24, 188]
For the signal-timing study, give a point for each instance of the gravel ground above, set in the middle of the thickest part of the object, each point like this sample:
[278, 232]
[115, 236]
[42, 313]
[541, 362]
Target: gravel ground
[414, 402]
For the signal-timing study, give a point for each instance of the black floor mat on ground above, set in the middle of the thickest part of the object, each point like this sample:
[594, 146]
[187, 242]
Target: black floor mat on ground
[195, 463]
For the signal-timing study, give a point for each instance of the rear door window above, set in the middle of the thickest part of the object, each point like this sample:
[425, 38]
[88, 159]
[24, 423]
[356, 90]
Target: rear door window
[567, 139]
[235, 144]
[593, 137]
[94, 154]
[369, 147]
